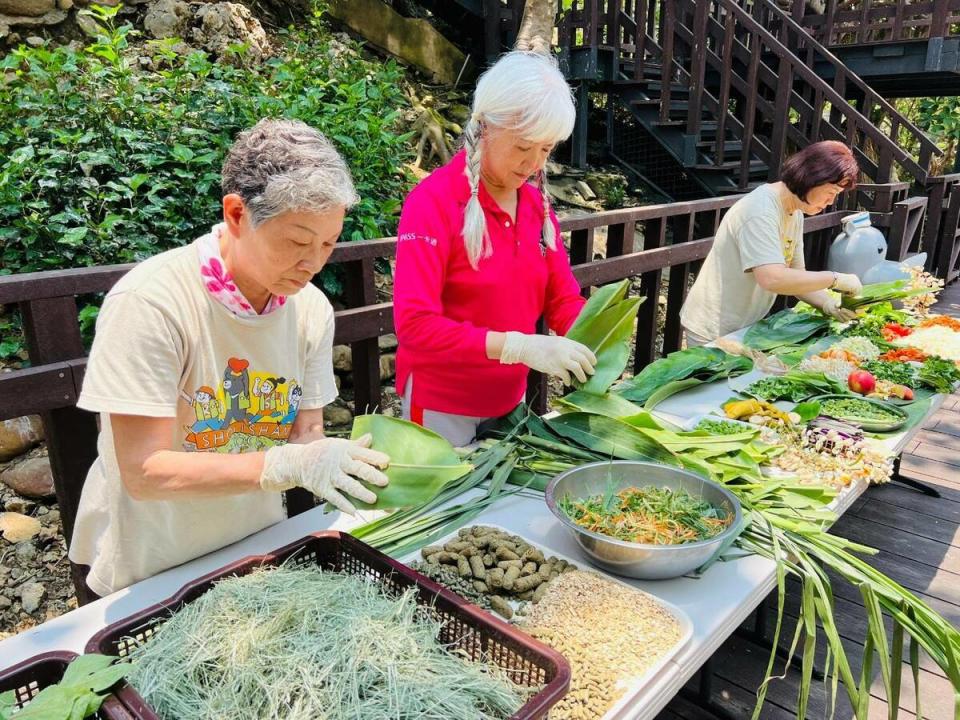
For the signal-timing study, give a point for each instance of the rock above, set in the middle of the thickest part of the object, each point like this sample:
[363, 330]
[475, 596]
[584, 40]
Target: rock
[5, 602]
[167, 19]
[31, 594]
[387, 342]
[51, 518]
[19, 505]
[342, 358]
[27, 8]
[585, 192]
[32, 478]
[226, 24]
[88, 25]
[413, 40]
[26, 551]
[16, 528]
[336, 416]
[19, 435]
[388, 366]
[64, 4]
[35, 41]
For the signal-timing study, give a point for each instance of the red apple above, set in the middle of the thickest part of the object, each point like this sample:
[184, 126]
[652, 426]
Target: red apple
[860, 381]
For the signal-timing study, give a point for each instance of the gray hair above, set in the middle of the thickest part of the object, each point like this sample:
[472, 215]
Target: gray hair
[524, 92]
[279, 166]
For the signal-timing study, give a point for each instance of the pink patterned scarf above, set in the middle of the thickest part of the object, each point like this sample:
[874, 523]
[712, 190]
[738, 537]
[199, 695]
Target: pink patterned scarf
[219, 282]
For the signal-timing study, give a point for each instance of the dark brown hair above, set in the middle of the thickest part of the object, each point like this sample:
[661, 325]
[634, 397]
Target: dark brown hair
[818, 164]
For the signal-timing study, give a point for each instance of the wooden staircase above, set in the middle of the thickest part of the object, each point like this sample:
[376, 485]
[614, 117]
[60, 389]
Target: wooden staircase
[730, 88]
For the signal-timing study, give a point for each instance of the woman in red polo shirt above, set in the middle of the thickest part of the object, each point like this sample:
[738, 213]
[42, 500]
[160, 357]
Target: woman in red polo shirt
[480, 260]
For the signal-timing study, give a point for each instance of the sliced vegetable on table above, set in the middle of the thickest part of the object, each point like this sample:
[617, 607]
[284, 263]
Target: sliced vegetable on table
[869, 414]
[936, 340]
[301, 642]
[648, 515]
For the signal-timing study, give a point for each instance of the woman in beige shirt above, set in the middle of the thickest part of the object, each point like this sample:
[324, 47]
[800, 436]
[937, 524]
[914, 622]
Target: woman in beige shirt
[758, 251]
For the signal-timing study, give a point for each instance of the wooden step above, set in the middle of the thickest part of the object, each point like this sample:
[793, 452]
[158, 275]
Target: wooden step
[755, 165]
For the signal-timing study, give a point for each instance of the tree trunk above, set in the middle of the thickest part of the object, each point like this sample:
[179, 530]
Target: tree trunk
[536, 28]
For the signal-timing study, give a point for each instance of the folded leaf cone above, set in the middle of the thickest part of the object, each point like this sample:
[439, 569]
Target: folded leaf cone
[421, 461]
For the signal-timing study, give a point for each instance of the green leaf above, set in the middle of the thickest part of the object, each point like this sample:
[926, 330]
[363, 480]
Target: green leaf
[609, 404]
[671, 388]
[78, 671]
[609, 437]
[605, 325]
[421, 461]
[807, 410]
[8, 701]
[784, 328]
[701, 362]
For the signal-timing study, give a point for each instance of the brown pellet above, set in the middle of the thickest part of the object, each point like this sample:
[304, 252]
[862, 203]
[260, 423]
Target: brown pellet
[476, 566]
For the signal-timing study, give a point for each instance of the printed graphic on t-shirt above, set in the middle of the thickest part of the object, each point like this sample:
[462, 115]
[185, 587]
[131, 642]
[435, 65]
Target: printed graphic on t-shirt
[249, 411]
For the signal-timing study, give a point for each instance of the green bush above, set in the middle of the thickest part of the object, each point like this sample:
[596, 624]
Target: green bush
[102, 162]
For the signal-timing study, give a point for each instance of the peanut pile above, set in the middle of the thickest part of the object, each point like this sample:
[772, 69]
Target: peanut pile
[610, 634]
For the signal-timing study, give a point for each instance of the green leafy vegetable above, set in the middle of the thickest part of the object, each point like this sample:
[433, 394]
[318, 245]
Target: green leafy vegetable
[881, 293]
[79, 694]
[784, 328]
[939, 374]
[796, 385]
[893, 371]
[704, 363]
[422, 462]
[605, 325]
[723, 427]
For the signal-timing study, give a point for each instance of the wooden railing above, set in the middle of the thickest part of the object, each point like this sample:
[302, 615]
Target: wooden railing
[760, 91]
[662, 245]
[868, 22]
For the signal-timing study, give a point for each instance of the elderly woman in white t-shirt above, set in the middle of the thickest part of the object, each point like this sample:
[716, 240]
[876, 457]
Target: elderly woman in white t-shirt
[210, 369]
[758, 251]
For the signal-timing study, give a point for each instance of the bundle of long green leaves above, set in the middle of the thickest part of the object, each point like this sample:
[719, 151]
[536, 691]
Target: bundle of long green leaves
[605, 325]
[302, 643]
[883, 292]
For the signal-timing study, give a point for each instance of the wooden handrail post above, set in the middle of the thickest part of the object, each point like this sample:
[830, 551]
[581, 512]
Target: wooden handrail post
[698, 67]
[938, 19]
[53, 334]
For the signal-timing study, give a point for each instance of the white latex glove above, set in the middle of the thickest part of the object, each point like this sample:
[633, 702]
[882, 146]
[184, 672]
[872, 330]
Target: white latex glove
[550, 354]
[846, 283]
[324, 467]
[832, 308]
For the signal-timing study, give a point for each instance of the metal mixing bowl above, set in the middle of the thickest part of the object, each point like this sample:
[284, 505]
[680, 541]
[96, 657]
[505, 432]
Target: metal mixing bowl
[638, 560]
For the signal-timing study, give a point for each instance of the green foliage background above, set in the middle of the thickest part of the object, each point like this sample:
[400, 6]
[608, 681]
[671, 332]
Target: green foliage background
[102, 162]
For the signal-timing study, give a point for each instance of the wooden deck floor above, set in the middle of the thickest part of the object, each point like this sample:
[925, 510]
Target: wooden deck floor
[919, 546]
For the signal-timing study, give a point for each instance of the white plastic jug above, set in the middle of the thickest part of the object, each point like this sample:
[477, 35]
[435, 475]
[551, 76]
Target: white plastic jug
[858, 248]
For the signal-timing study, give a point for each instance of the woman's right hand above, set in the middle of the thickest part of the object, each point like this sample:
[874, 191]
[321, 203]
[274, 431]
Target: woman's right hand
[847, 283]
[550, 354]
[328, 468]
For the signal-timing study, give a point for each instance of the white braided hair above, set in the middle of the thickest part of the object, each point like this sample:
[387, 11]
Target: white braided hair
[526, 93]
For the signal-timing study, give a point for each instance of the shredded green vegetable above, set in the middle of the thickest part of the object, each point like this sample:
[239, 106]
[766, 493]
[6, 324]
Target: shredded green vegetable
[300, 644]
[649, 515]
